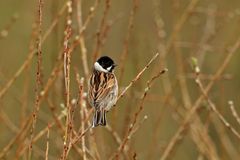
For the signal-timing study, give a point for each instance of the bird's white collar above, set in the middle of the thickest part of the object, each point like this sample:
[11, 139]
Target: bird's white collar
[98, 67]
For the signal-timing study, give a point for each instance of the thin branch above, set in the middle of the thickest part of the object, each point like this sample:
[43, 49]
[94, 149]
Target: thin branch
[39, 82]
[66, 68]
[47, 145]
[234, 112]
[138, 76]
[137, 113]
[82, 105]
[214, 109]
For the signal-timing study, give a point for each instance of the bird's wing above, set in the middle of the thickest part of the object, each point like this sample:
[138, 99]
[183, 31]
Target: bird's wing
[100, 86]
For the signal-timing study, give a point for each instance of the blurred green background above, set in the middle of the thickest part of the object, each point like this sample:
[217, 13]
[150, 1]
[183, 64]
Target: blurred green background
[210, 29]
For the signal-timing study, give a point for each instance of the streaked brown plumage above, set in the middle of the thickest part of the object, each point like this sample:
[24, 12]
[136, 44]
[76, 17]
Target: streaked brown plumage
[102, 94]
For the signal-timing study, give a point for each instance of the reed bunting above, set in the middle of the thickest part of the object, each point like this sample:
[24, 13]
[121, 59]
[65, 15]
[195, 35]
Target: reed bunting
[102, 89]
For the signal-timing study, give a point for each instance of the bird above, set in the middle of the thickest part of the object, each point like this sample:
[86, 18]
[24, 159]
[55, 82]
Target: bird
[102, 89]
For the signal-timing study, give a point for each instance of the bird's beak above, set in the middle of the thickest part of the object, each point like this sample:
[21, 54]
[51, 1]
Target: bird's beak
[115, 65]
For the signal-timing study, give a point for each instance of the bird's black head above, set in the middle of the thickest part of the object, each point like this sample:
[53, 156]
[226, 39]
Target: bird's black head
[106, 63]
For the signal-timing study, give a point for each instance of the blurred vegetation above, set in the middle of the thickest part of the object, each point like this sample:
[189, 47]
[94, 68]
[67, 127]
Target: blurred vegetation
[131, 32]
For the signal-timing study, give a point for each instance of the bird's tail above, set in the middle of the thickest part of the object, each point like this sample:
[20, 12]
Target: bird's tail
[99, 118]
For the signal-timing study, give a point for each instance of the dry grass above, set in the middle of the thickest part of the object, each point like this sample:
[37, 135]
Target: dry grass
[189, 112]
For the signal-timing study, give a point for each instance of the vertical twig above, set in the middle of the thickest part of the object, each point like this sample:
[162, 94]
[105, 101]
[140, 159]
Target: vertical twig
[39, 82]
[82, 105]
[47, 145]
[66, 68]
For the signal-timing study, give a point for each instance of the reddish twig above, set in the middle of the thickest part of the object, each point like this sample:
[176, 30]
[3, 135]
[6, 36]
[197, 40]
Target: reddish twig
[66, 68]
[39, 82]
[82, 104]
[137, 113]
